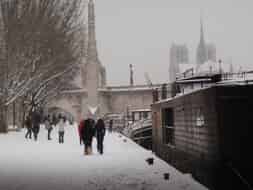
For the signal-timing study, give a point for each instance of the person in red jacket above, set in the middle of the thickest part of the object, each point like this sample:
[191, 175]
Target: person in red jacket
[80, 127]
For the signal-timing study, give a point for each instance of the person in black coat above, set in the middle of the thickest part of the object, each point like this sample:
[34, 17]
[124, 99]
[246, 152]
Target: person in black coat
[100, 133]
[36, 124]
[87, 133]
[93, 123]
[28, 124]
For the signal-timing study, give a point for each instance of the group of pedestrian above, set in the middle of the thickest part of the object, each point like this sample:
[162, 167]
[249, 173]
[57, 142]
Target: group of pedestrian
[33, 121]
[87, 130]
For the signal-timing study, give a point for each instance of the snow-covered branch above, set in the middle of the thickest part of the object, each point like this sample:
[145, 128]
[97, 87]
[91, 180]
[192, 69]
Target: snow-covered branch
[41, 45]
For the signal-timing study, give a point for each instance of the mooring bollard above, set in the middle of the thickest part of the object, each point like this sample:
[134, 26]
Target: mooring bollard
[166, 176]
[150, 161]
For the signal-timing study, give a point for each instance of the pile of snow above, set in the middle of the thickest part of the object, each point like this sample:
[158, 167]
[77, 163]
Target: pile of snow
[29, 165]
[211, 67]
[13, 128]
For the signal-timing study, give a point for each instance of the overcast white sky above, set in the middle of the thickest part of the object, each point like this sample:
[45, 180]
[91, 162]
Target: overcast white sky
[140, 32]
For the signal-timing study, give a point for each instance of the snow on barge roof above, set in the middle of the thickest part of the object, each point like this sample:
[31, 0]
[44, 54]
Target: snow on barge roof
[213, 79]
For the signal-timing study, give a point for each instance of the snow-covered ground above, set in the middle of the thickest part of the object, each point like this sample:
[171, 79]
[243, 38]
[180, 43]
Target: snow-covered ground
[47, 165]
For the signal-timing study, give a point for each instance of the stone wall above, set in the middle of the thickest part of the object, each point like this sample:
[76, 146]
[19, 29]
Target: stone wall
[71, 103]
[119, 101]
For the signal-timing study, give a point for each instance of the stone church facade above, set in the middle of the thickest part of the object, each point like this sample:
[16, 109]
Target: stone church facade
[91, 97]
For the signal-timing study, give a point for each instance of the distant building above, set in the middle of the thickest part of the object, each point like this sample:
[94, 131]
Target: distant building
[178, 55]
[211, 52]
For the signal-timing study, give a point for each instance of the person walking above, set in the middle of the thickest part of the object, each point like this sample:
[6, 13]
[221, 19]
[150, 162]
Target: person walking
[28, 124]
[93, 123]
[110, 125]
[59, 117]
[48, 127]
[35, 124]
[80, 126]
[61, 129]
[54, 121]
[87, 135]
[100, 133]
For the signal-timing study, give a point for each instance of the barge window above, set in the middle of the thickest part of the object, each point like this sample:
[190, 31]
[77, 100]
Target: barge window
[200, 119]
[168, 126]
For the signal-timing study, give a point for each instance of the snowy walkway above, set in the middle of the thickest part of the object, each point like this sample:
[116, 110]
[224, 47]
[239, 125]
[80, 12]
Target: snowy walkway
[47, 165]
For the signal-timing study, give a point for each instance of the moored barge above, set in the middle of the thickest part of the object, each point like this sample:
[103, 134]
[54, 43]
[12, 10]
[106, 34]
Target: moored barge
[207, 131]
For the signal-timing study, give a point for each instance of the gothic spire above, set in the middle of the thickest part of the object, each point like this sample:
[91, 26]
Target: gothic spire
[202, 39]
[92, 47]
[201, 50]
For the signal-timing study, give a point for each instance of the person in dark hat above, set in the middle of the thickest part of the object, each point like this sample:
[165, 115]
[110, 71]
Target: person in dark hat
[36, 120]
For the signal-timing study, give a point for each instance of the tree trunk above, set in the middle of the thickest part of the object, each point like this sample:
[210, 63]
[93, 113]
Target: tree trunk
[14, 114]
[24, 114]
[3, 118]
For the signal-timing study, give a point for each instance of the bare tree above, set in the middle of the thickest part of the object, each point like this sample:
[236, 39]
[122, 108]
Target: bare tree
[40, 46]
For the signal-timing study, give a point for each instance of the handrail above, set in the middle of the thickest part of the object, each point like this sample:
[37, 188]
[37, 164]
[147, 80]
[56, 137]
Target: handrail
[140, 138]
[140, 130]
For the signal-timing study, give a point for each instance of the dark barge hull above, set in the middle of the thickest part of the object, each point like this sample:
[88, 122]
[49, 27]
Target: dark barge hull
[217, 154]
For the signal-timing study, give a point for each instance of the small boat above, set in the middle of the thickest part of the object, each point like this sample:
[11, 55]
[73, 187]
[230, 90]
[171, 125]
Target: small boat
[141, 133]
